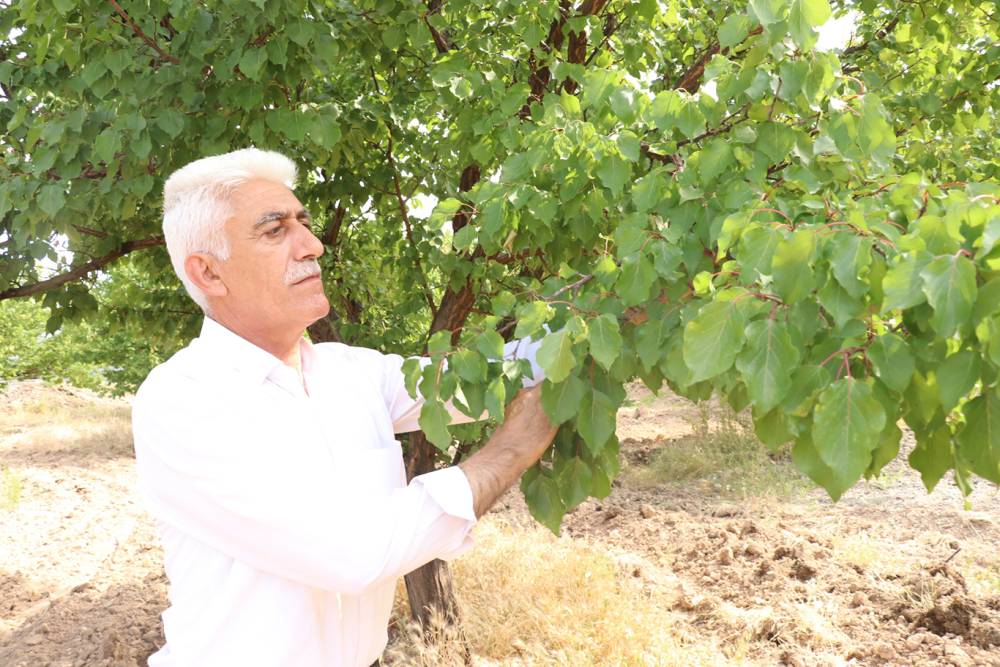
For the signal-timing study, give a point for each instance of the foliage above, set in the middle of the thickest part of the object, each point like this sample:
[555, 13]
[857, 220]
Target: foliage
[691, 194]
[107, 353]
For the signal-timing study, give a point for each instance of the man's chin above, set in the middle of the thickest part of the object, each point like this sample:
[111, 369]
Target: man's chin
[321, 311]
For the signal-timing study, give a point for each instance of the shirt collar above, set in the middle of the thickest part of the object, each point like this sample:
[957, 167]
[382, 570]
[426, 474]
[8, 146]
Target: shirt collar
[233, 350]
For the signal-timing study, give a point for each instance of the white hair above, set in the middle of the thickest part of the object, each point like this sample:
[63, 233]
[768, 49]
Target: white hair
[196, 203]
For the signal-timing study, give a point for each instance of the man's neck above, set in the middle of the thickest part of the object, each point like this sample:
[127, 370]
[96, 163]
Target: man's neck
[283, 345]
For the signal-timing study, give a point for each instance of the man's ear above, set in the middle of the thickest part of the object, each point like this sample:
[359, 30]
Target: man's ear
[202, 270]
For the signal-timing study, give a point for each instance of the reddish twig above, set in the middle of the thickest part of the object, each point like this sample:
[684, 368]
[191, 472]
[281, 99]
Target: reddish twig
[143, 36]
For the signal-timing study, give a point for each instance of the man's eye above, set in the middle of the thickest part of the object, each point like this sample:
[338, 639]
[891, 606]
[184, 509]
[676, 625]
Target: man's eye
[275, 231]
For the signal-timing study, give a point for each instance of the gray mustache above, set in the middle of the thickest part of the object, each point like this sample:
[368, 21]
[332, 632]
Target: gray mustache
[301, 270]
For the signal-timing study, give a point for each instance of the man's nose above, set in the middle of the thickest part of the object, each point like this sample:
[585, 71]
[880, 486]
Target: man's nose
[308, 245]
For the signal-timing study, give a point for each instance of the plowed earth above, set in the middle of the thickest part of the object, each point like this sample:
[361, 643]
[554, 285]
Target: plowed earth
[888, 576]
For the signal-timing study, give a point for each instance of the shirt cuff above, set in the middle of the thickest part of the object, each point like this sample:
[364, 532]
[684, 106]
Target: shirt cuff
[449, 488]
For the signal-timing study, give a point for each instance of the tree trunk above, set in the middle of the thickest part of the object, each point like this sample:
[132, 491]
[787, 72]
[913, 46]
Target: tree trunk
[429, 588]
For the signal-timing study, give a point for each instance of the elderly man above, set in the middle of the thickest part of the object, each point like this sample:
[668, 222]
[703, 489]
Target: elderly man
[270, 463]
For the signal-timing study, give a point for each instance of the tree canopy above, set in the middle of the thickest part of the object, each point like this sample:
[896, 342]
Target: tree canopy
[688, 193]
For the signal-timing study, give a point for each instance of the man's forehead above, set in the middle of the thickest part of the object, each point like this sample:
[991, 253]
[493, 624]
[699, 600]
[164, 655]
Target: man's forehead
[258, 197]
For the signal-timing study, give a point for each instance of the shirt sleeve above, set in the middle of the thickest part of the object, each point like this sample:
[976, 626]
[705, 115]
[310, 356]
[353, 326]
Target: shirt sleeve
[280, 506]
[404, 410]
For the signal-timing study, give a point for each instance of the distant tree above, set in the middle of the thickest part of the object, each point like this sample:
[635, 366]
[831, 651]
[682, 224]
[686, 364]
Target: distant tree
[687, 193]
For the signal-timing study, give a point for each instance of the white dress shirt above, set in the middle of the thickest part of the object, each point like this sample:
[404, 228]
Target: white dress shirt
[285, 515]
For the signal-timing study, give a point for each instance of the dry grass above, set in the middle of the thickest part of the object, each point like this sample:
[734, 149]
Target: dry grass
[724, 456]
[60, 419]
[529, 598]
[10, 489]
[870, 553]
[983, 581]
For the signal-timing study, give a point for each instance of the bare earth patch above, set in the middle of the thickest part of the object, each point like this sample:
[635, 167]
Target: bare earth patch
[691, 572]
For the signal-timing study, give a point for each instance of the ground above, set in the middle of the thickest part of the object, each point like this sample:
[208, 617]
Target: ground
[709, 551]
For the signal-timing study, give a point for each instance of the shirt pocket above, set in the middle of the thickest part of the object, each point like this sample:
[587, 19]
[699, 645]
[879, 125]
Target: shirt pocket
[371, 472]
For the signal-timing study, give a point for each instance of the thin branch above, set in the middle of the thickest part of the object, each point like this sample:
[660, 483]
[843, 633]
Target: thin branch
[139, 33]
[879, 35]
[409, 228]
[572, 286]
[82, 270]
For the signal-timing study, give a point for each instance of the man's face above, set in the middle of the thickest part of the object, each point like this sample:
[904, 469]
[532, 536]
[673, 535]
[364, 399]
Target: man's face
[271, 276]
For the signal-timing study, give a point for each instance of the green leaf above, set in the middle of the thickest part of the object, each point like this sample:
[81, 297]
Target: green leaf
[892, 361]
[956, 377]
[804, 16]
[469, 364]
[171, 121]
[596, 420]
[635, 280]
[841, 305]
[806, 458]
[886, 451]
[666, 109]
[979, 440]
[649, 341]
[932, 456]
[772, 429]
[903, 285]
[775, 141]
[562, 401]
[733, 30]
[950, 287]
[755, 251]
[648, 191]
[251, 62]
[767, 363]
[605, 340]
[807, 380]
[691, 122]
[792, 266]
[850, 257]
[541, 493]
[530, 318]
[876, 137]
[490, 344]
[614, 172]
[629, 145]
[52, 199]
[107, 144]
[769, 12]
[714, 160]
[597, 86]
[433, 421]
[574, 482]
[555, 356]
[713, 339]
[846, 426]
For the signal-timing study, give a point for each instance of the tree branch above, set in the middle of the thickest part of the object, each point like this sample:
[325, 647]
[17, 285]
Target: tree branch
[441, 42]
[82, 270]
[879, 35]
[409, 228]
[143, 36]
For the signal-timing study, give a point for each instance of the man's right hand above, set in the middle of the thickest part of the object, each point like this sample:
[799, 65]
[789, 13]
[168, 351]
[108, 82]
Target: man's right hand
[515, 446]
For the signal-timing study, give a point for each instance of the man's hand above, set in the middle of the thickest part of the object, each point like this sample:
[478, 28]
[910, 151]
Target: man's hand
[516, 444]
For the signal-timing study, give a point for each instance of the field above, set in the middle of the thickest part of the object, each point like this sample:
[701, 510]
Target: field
[709, 551]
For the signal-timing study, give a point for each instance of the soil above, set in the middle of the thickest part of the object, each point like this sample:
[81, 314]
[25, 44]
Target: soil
[890, 575]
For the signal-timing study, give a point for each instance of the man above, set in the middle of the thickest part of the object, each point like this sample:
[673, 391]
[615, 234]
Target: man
[270, 463]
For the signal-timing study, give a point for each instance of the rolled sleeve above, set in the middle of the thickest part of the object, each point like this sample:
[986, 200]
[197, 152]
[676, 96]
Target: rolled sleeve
[449, 489]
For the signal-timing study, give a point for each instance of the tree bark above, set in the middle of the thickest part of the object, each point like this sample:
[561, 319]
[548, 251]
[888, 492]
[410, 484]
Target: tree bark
[429, 588]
